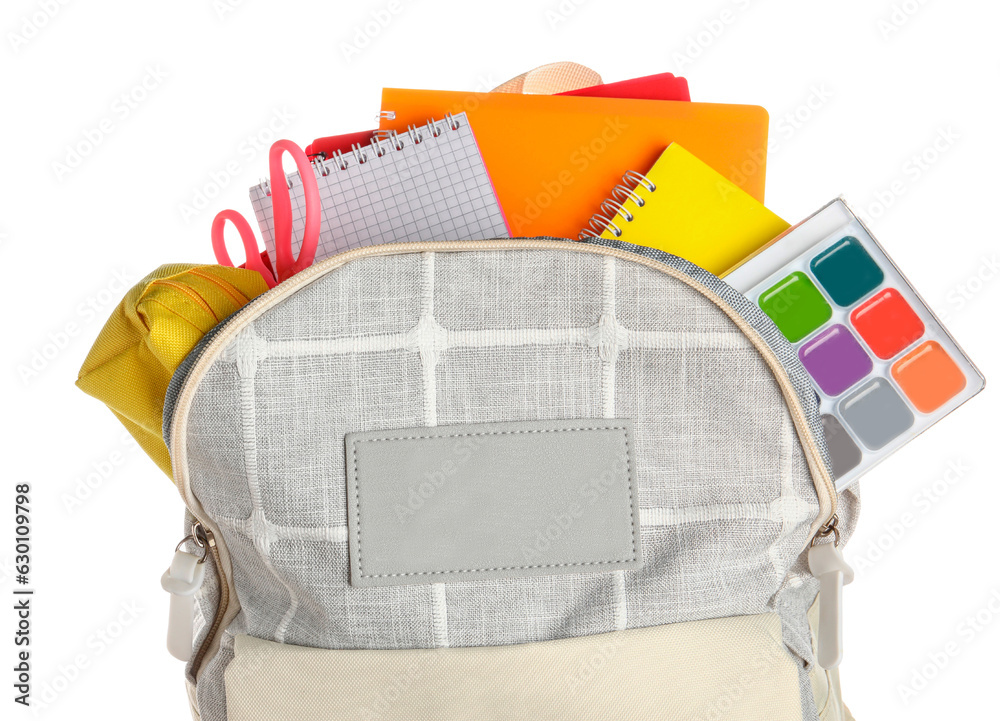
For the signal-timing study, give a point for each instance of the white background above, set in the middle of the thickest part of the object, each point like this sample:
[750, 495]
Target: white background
[884, 78]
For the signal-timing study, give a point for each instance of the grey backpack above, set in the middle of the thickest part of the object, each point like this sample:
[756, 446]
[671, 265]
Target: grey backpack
[511, 479]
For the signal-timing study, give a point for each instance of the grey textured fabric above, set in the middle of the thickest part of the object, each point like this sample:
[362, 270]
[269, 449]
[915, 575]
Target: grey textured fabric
[725, 495]
[849, 498]
[750, 312]
[810, 712]
[491, 500]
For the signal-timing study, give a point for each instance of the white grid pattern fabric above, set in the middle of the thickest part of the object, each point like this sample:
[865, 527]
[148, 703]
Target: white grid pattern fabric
[437, 189]
[726, 497]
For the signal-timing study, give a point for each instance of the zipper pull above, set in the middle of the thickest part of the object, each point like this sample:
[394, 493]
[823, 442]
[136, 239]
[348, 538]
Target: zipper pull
[182, 580]
[826, 562]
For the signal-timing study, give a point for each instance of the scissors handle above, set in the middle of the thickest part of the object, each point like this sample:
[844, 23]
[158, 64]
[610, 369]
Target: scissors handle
[254, 261]
[286, 264]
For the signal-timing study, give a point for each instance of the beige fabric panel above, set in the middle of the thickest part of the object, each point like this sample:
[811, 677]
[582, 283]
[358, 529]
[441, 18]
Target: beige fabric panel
[725, 669]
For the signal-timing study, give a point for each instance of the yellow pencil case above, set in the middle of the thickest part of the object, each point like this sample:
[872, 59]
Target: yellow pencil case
[155, 326]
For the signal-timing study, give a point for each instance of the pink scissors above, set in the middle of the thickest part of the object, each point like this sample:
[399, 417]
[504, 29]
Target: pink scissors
[286, 265]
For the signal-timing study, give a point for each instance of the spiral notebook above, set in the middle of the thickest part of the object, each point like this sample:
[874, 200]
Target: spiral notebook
[427, 183]
[684, 207]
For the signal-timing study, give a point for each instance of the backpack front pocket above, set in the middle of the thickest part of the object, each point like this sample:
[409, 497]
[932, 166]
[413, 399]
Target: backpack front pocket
[734, 668]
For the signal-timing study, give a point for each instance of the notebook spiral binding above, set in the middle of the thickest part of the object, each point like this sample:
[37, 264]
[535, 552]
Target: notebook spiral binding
[382, 142]
[614, 206]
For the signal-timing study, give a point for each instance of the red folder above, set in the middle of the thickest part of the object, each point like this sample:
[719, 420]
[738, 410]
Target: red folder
[663, 86]
[326, 147]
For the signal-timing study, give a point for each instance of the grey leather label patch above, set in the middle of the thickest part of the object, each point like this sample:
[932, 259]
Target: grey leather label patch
[490, 500]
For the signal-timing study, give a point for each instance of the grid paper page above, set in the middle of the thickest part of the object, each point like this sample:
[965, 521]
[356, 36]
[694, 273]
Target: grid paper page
[438, 189]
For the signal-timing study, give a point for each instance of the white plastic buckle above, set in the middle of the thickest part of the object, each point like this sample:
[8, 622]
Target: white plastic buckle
[182, 580]
[826, 562]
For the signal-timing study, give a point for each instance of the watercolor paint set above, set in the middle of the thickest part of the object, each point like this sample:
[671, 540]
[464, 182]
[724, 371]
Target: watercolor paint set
[883, 366]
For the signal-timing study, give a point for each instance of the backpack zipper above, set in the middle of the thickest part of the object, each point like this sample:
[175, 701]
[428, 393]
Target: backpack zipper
[222, 606]
[179, 628]
[822, 480]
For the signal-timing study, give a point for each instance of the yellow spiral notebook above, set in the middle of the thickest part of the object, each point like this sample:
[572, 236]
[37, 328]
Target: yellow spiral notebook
[684, 207]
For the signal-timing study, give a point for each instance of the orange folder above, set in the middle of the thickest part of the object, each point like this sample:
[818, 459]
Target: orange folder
[553, 158]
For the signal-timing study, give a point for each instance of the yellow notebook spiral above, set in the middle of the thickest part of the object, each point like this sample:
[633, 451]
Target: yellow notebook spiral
[684, 207]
